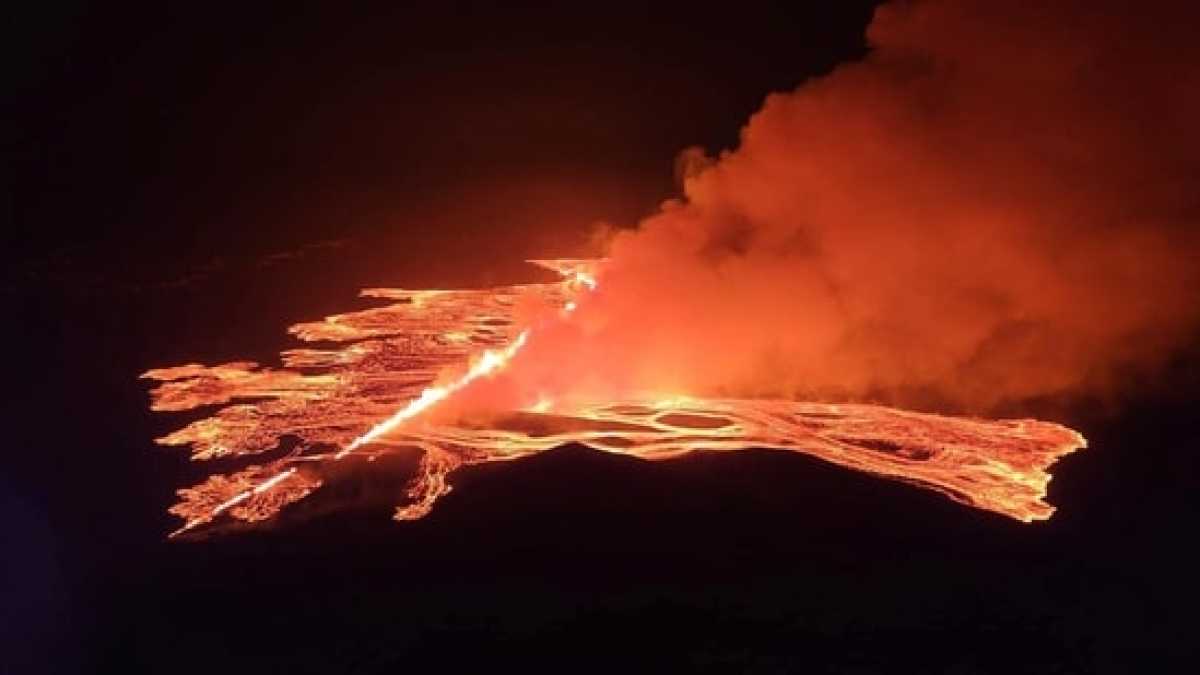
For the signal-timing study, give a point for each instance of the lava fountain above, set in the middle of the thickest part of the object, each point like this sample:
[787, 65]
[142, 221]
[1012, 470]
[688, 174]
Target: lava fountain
[372, 393]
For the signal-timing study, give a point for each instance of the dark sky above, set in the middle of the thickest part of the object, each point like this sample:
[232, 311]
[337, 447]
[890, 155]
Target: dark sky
[204, 130]
[185, 182]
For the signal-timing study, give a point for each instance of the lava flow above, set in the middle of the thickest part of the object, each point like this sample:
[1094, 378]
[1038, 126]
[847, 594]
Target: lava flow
[370, 395]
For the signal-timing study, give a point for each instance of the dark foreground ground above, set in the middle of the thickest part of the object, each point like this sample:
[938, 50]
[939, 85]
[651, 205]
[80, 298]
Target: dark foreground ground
[574, 560]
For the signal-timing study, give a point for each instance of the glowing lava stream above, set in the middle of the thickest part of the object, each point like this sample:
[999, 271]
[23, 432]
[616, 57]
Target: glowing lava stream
[488, 363]
[390, 356]
[246, 494]
[237, 499]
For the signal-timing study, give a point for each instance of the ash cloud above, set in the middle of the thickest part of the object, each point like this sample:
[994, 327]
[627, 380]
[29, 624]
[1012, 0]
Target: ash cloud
[998, 203]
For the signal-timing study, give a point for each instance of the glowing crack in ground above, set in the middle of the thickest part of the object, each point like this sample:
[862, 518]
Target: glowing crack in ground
[357, 398]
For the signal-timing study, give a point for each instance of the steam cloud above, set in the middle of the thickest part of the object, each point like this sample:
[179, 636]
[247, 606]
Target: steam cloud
[998, 203]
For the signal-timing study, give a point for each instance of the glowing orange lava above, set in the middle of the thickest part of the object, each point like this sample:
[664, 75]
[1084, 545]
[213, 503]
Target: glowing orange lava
[399, 360]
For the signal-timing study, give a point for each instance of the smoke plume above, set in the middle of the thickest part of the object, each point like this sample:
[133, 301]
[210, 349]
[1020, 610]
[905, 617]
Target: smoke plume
[998, 203]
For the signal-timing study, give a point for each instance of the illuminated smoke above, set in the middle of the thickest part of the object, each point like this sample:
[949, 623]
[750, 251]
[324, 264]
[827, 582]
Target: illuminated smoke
[999, 203]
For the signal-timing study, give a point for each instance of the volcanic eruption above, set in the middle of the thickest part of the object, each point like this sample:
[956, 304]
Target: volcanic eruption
[395, 353]
[994, 205]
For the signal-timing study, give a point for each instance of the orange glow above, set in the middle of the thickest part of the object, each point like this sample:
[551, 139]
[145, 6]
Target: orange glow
[376, 394]
[489, 362]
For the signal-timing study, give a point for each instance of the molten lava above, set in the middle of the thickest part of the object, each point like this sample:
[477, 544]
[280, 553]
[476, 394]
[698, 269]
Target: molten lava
[369, 397]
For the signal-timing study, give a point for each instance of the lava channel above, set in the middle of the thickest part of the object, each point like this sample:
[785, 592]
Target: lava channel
[389, 363]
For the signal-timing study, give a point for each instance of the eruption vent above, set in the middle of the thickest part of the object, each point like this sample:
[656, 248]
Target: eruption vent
[401, 367]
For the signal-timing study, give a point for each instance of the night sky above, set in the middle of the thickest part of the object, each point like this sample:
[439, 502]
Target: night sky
[183, 183]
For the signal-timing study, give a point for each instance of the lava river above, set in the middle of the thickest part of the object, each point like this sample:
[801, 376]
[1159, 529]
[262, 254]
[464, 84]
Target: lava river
[365, 386]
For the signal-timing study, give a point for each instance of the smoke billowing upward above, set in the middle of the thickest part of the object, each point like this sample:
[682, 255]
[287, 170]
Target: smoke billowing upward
[999, 202]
